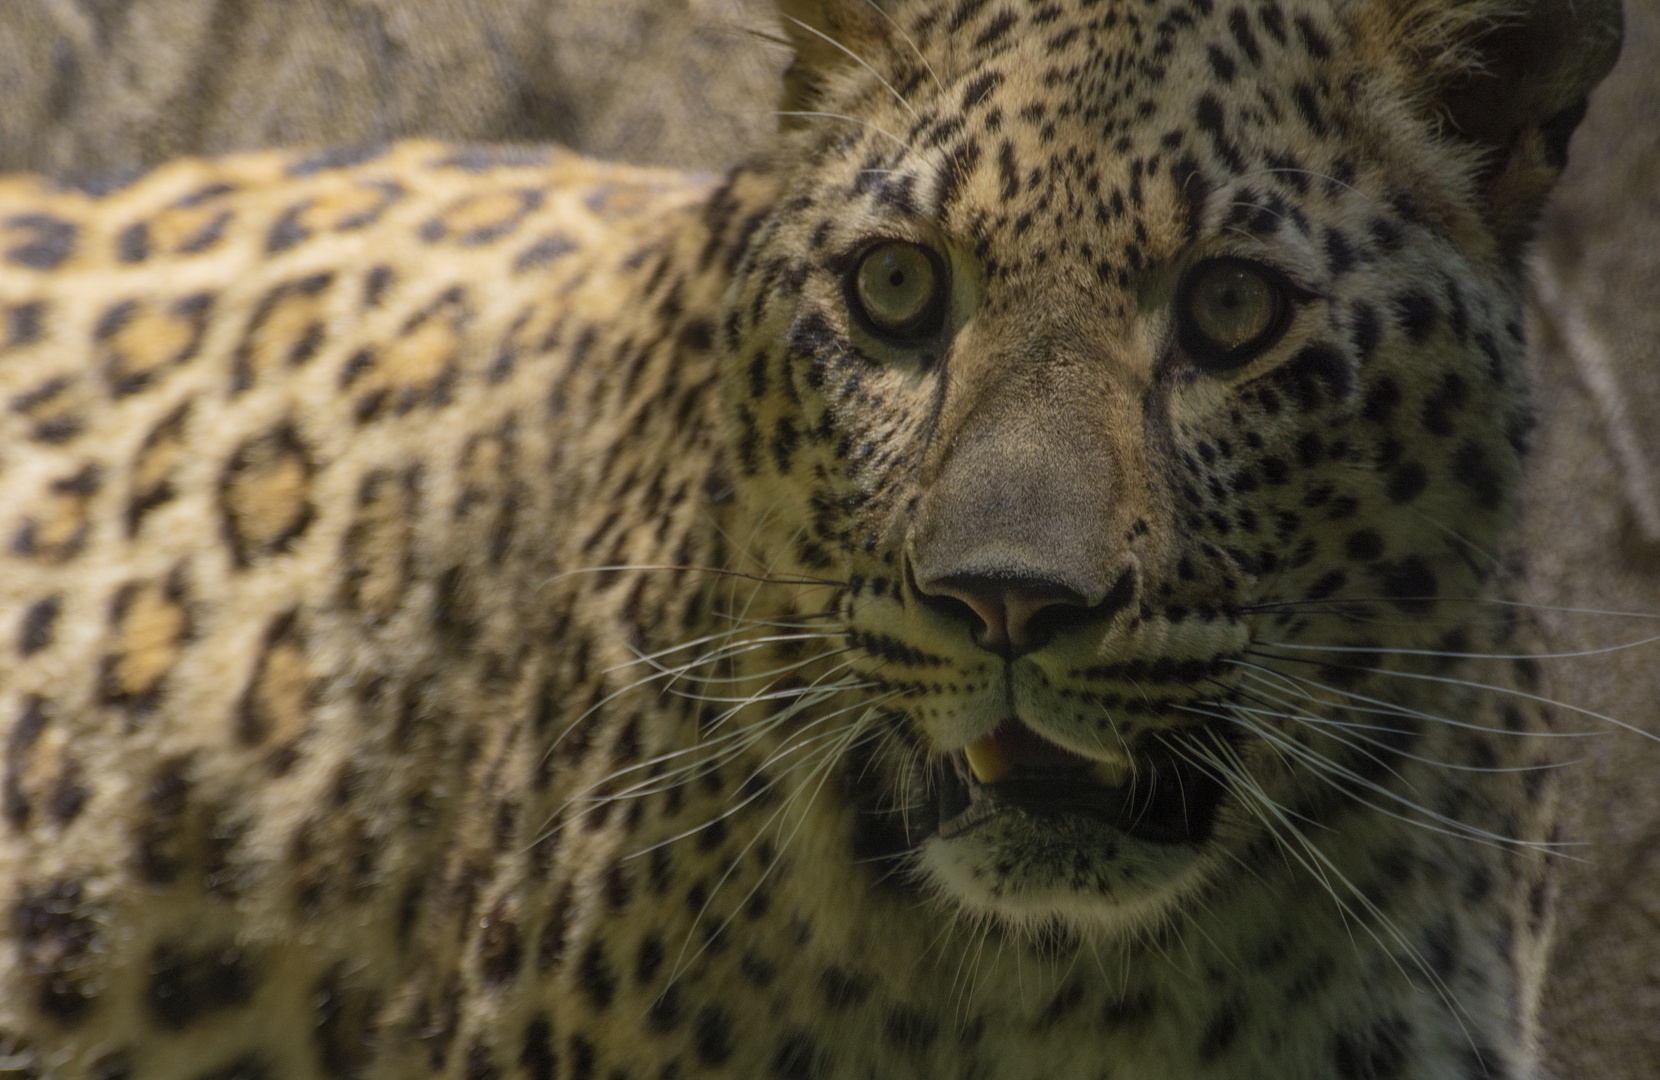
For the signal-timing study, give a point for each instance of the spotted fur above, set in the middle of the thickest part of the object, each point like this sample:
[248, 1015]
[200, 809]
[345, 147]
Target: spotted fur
[461, 608]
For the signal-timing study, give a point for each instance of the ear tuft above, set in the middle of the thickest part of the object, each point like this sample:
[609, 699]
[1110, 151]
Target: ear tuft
[1512, 79]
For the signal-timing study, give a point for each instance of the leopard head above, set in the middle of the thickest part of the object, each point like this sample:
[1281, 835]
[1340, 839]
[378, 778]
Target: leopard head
[1147, 378]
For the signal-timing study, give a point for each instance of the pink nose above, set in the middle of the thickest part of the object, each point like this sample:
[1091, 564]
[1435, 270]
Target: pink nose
[1012, 616]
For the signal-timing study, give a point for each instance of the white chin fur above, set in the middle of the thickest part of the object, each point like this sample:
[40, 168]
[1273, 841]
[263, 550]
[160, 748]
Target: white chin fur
[1115, 898]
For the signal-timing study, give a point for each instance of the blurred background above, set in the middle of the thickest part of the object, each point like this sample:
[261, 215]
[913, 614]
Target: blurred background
[94, 88]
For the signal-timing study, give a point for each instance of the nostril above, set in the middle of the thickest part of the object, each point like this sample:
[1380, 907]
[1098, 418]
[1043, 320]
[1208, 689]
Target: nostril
[958, 610]
[1008, 614]
[1052, 619]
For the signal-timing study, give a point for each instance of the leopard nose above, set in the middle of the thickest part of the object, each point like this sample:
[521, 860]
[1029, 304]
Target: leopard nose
[1007, 614]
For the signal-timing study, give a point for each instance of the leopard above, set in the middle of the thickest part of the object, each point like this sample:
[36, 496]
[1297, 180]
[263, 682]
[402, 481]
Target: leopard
[1010, 582]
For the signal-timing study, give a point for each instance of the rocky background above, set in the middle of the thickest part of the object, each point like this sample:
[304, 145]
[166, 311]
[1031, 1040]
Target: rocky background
[100, 87]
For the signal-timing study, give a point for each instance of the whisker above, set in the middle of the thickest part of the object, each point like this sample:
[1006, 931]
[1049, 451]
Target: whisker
[860, 61]
[1476, 684]
[1465, 655]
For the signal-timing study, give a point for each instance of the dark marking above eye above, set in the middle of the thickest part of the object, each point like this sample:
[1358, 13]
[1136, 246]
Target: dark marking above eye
[996, 29]
[1313, 40]
[980, 88]
[1239, 23]
[1307, 101]
[1273, 21]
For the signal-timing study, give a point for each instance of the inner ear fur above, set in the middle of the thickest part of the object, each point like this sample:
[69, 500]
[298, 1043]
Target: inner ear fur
[1511, 78]
[823, 34]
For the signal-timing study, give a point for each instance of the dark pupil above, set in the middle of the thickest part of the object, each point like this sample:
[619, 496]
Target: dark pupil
[1230, 296]
[897, 278]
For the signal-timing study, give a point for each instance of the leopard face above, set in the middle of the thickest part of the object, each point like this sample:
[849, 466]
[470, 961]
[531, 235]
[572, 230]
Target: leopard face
[1105, 556]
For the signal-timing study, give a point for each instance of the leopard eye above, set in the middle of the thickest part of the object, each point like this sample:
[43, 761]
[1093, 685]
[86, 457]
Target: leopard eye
[1229, 311]
[900, 290]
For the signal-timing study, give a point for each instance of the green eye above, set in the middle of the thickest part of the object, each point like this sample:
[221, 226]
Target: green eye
[900, 290]
[1230, 311]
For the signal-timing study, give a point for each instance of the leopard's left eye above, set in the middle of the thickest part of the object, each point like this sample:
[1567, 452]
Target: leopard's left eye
[1229, 311]
[900, 289]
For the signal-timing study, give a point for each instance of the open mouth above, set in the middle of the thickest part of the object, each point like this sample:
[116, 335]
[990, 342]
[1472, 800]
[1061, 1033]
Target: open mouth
[1162, 800]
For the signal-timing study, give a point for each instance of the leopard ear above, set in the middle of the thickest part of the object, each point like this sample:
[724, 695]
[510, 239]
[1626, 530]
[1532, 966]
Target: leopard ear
[827, 35]
[1512, 79]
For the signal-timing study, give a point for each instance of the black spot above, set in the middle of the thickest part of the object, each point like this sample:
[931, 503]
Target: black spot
[1374, 1052]
[582, 1058]
[995, 30]
[1410, 582]
[343, 1019]
[1417, 312]
[958, 166]
[38, 624]
[24, 323]
[1316, 43]
[1221, 64]
[1240, 24]
[499, 951]
[800, 1058]
[48, 242]
[133, 245]
[287, 232]
[596, 977]
[664, 1014]
[712, 1035]
[537, 1057]
[1439, 406]
[1308, 107]
[980, 87]
[1441, 946]
[1340, 254]
[246, 1067]
[1406, 482]
[1363, 545]
[1194, 189]
[1381, 400]
[649, 959]
[1222, 1031]
[478, 1065]
[1328, 583]
[185, 985]
[842, 988]
[1209, 116]
[544, 252]
[1314, 369]
[1472, 469]
[908, 1030]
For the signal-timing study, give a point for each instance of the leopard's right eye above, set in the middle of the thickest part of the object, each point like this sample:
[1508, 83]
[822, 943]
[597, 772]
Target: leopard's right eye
[900, 290]
[1230, 311]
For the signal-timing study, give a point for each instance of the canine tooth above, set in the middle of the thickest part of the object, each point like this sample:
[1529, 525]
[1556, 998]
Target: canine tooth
[987, 760]
[1112, 773]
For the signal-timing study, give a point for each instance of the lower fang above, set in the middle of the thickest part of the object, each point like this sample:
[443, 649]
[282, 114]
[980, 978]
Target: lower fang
[1112, 773]
[987, 760]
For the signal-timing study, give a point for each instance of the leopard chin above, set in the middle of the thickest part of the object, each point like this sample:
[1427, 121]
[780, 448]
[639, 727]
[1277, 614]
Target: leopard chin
[1034, 834]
